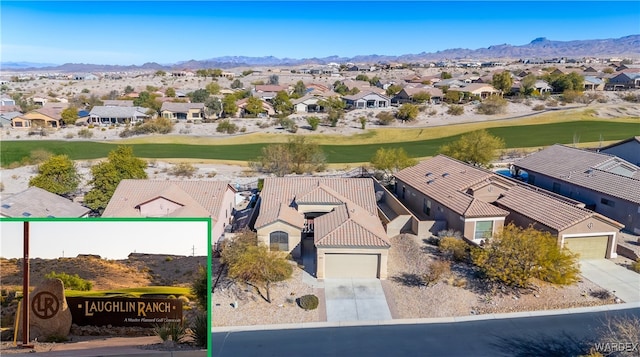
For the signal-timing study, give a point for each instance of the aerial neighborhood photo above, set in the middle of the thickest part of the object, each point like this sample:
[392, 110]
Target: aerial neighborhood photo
[320, 178]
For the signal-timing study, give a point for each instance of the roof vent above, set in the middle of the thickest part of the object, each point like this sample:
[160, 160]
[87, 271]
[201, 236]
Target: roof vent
[430, 182]
[445, 174]
[26, 214]
[6, 205]
[428, 174]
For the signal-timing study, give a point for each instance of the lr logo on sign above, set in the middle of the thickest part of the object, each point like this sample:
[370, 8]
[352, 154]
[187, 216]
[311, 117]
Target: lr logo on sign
[45, 305]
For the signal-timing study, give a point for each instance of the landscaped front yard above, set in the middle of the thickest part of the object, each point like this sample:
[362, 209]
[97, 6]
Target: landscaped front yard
[462, 293]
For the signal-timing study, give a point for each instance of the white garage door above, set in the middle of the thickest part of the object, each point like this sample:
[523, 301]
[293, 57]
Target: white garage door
[351, 265]
[588, 247]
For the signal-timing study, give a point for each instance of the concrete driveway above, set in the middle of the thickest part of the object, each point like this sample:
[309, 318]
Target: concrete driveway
[355, 300]
[621, 281]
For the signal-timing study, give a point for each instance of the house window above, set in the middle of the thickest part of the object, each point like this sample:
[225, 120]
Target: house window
[484, 229]
[556, 187]
[195, 115]
[426, 207]
[279, 241]
[607, 202]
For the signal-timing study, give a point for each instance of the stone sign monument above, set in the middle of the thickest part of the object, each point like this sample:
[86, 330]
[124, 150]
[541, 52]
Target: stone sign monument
[49, 312]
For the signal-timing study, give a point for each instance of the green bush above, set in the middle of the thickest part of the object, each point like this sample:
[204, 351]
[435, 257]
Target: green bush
[199, 287]
[407, 112]
[176, 331]
[635, 266]
[308, 302]
[454, 249]
[226, 126]
[313, 122]
[200, 330]
[455, 110]
[517, 255]
[73, 282]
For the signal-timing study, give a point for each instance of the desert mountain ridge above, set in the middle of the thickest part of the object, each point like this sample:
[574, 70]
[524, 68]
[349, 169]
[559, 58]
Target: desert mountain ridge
[627, 46]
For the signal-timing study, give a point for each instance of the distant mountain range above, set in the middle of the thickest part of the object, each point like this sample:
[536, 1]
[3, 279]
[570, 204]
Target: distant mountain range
[628, 46]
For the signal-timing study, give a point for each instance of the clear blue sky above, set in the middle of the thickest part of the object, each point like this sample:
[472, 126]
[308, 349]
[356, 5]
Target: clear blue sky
[109, 239]
[124, 32]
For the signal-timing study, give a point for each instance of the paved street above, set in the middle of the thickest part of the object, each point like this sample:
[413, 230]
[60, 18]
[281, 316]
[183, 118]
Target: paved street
[554, 335]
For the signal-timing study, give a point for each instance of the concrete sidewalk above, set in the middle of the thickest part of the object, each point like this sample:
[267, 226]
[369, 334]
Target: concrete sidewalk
[620, 281]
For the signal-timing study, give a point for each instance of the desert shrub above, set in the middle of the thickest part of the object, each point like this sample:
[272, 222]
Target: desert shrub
[226, 126]
[407, 112]
[68, 136]
[635, 266]
[264, 124]
[455, 110]
[454, 249]
[538, 256]
[552, 102]
[538, 107]
[73, 282]
[288, 124]
[385, 118]
[85, 133]
[449, 233]
[363, 122]
[308, 302]
[199, 287]
[436, 270]
[313, 122]
[432, 112]
[493, 105]
[56, 338]
[183, 169]
[621, 331]
[601, 294]
[200, 330]
[185, 131]
[1, 186]
[570, 96]
[171, 331]
[631, 97]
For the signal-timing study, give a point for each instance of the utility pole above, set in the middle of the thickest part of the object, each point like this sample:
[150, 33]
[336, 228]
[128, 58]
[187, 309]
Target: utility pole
[25, 287]
[193, 251]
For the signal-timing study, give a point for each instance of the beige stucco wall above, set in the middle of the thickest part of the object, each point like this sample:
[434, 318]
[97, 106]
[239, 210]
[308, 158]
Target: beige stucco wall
[295, 235]
[159, 207]
[592, 227]
[383, 252]
[470, 226]
[224, 215]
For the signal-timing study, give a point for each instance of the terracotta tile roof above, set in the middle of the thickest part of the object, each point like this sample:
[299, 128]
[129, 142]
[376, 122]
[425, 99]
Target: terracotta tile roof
[595, 171]
[446, 181]
[351, 226]
[181, 107]
[352, 201]
[197, 198]
[547, 210]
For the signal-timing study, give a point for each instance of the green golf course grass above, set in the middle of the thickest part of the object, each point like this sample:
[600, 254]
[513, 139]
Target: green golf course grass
[520, 136]
[132, 292]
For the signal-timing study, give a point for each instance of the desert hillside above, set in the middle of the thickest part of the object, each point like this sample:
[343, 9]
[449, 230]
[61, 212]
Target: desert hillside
[136, 271]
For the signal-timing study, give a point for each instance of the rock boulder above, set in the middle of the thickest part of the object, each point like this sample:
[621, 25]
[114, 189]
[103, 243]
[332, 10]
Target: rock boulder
[49, 313]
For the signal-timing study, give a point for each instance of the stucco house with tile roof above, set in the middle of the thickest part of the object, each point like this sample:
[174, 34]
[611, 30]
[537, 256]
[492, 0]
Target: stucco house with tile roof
[37, 202]
[406, 94]
[157, 198]
[628, 149]
[365, 100]
[605, 183]
[445, 193]
[103, 115]
[49, 116]
[182, 111]
[331, 223]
